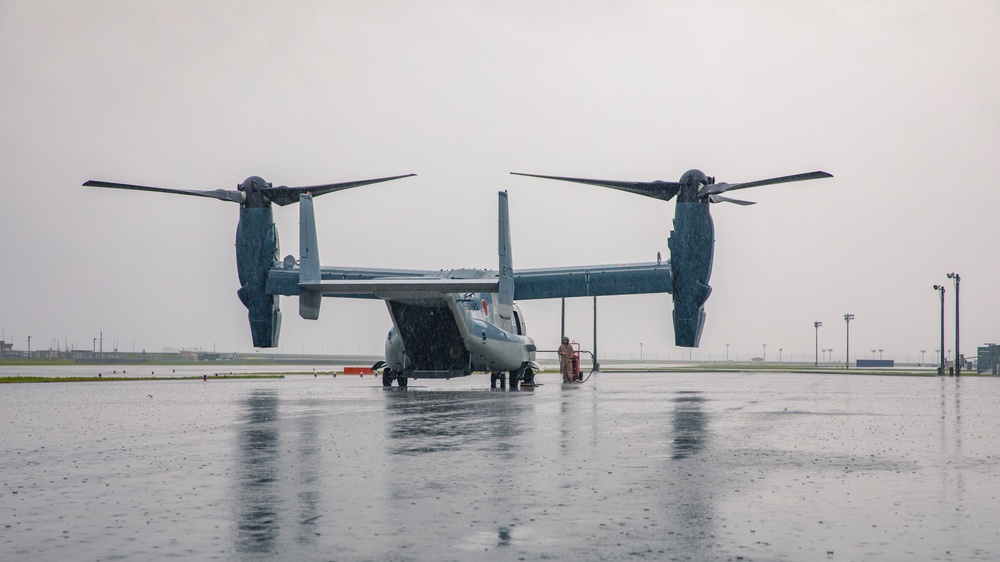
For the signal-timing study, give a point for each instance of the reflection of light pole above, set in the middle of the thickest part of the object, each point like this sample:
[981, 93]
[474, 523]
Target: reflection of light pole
[958, 350]
[847, 362]
[940, 289]
[817, 325]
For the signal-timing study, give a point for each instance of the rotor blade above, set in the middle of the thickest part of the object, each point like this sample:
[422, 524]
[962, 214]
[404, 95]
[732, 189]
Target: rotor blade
[220, 194]
[283, 195]
[715, 188]
[663, 190]
[721, 199]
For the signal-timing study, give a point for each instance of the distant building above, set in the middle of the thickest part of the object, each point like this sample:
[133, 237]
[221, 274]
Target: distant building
[5, 348]
[988, 359]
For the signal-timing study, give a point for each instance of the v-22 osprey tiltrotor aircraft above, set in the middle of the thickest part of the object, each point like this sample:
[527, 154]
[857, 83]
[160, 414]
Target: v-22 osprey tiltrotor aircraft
[451, 323]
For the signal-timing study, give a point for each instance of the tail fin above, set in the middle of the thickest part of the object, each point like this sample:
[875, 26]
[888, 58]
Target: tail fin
[505, 304]
[308, 259]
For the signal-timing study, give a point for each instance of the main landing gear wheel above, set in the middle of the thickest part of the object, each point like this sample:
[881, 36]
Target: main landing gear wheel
[387, 377]
[493, 379]
[401, 381]
[514, 377]
[529, 377]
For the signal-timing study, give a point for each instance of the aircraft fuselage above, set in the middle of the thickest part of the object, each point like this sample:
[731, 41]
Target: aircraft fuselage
[456, 334]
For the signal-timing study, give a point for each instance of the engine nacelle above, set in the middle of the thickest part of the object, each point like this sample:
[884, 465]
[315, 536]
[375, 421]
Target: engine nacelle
[691, 246]
[256, 252]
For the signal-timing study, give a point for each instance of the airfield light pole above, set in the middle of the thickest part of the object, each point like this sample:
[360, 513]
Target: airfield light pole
[847, 361]
[958, 350]
[780, 349]
[29, 347]
[922, 351]
[940, 289]
[727, 353]
[640, 351]
[880, 355]
[817, 325]
[765, 353]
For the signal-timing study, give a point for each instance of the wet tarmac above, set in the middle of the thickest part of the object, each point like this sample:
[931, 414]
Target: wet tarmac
[627, 466]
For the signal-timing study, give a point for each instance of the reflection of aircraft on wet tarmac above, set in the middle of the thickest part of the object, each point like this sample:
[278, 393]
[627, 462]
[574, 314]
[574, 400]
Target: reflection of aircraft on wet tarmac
[451, 323]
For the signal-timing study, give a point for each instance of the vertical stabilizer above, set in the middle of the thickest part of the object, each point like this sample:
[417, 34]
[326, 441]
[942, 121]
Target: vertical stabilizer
[308, 258]
[505, 303]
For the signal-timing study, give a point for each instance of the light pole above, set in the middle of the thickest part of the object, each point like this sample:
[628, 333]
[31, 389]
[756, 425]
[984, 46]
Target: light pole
[847, 319]
[880, 355]
[780, 349]
[640, 351]
[922, 351]
[765, 353]
[727, 353]
[817, 325]
[29, 347]
[873, 355]
[958, 350]
[940, 289]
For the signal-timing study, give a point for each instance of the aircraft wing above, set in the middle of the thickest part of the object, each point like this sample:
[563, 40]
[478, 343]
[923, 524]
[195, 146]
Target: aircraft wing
[403, 288]
[544, 283]
[588, 281]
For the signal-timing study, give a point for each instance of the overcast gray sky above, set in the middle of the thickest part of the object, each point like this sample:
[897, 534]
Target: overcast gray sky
[900, 100]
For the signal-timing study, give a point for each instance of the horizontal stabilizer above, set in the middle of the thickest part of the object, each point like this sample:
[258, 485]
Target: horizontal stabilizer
[401, 288]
